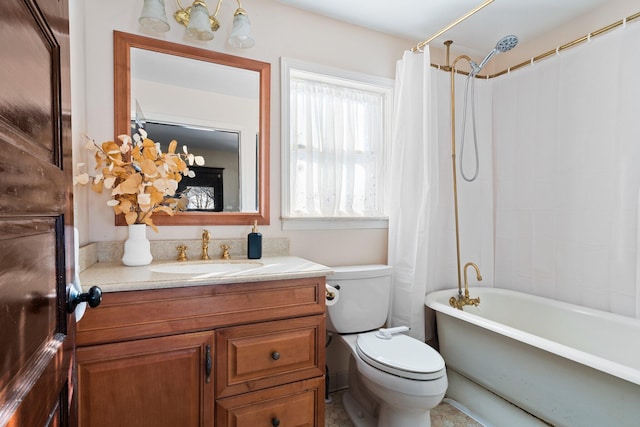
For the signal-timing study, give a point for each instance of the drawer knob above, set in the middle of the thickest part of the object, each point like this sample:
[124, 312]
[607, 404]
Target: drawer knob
[275, 356]
[275, 422]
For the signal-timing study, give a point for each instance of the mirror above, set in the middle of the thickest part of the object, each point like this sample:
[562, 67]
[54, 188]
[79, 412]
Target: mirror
[217, 105]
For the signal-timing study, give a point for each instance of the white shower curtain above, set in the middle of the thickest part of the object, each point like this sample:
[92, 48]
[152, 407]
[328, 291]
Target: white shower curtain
[413, 190]
[567, 161]
[422, 246]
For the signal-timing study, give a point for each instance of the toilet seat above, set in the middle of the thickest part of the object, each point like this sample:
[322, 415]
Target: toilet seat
[401, 355]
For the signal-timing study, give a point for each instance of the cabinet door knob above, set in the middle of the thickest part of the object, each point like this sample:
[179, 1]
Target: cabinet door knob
[275, 355]
[275, 422]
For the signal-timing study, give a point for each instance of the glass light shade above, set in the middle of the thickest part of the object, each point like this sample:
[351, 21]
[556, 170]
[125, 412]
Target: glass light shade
[241, 32]
[199, 27]
[154, 16]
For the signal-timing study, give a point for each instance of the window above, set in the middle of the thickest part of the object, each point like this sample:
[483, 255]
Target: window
[336, 128]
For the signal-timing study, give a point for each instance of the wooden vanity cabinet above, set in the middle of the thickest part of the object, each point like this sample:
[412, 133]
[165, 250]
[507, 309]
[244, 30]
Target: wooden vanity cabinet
[244, 354]
[147, 382]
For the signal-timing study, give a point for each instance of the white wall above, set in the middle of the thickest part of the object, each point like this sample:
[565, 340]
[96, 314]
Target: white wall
[279, 31]
[609, 12]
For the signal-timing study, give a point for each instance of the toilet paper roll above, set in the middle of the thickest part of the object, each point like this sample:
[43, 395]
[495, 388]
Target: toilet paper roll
[331, 294]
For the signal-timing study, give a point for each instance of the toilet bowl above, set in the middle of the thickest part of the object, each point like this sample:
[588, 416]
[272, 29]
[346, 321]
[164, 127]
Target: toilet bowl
[394, 381]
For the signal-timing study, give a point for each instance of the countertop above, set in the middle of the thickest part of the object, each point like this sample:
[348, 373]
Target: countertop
[116, 277]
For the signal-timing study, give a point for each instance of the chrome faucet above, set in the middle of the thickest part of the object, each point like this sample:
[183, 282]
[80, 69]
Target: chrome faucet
[461, 301]
[205, 245]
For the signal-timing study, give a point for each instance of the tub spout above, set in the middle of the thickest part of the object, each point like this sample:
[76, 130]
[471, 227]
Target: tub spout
[461, 301]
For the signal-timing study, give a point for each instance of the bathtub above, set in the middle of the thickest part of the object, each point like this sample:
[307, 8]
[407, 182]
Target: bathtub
[558, 363]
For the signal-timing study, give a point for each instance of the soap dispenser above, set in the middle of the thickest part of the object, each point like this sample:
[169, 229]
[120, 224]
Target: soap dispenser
[254, 243]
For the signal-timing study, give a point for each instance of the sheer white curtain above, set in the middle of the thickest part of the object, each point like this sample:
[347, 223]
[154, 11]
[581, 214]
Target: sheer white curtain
[422, 246]
[336, 151]
[414, 190]
[567, 175]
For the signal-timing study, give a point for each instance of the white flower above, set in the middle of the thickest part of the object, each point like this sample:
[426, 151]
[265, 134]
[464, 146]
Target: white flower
[81, 179]
[144, 199]
[108, 183]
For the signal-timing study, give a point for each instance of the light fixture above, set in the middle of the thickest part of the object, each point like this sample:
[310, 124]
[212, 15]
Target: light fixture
[201, 26]
[241, 32]
[153, 16]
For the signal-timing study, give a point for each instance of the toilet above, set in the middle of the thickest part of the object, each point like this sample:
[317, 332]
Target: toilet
[394, 379]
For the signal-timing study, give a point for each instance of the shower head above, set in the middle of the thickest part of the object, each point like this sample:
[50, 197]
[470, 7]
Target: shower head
[507, 43]
[504, 44]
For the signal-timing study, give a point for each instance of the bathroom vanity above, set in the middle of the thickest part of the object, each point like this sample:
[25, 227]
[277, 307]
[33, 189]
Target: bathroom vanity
[238, 349]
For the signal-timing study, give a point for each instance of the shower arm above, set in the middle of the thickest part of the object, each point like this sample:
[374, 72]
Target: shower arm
[453, 160]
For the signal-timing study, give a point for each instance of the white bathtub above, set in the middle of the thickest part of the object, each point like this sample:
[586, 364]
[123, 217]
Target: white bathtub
[566, 365]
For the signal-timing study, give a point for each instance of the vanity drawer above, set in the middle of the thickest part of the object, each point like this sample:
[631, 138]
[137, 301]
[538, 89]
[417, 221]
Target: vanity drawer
[258, 356]
[297, 404]
[150, 313]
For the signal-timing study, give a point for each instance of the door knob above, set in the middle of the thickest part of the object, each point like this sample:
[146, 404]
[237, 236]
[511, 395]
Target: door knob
[93, 298]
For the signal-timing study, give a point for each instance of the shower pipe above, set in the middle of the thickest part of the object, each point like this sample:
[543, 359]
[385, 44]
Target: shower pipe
[452, 69]
[544, 55]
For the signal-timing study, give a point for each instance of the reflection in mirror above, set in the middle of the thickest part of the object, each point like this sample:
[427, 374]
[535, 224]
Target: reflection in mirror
[221, 152]
[205, 191]
[215, 100]
[215, 104]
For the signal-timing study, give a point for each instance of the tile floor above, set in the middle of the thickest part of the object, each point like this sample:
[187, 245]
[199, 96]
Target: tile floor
[444, 415]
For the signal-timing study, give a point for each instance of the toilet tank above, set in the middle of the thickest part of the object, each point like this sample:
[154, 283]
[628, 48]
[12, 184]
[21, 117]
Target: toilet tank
[364, 293]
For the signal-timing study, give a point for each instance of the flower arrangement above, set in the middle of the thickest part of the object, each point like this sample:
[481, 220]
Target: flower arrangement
[142, 179]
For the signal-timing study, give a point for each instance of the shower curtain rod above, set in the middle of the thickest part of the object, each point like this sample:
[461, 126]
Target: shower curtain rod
[419, 46]
[557, 50]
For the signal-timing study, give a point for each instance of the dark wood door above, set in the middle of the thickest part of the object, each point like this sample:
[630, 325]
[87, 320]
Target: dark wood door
[36, 223]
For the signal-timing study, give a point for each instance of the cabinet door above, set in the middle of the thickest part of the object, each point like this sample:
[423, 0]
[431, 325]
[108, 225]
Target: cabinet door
[154, 382]
[297, 404]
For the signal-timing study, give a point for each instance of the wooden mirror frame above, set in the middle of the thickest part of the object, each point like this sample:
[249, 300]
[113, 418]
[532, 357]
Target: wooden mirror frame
[122, 44]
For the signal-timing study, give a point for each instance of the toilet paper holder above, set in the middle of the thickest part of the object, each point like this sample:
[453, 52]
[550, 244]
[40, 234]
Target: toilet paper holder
[329, 295]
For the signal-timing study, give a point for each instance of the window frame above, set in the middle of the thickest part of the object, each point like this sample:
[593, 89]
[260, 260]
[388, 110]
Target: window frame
[386, 87]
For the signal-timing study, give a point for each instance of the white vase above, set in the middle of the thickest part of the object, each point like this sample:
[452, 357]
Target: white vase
[137, 249]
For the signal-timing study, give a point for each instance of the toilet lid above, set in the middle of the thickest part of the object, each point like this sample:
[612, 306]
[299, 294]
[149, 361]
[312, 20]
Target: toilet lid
[401, 355]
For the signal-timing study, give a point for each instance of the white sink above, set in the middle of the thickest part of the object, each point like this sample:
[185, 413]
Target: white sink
[205, 267]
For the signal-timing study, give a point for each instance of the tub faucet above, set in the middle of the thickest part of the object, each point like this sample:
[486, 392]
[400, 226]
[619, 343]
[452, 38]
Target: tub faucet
[461, 301]
[205, 245]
